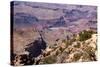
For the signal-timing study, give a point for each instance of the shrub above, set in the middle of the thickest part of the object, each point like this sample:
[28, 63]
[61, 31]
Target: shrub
[77, 56]
[85, 35]
[49, 60]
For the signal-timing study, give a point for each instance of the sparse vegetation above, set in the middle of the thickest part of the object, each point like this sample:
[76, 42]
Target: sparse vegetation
[49, 60]
[84, 35]
[77, 56]
[67, 42]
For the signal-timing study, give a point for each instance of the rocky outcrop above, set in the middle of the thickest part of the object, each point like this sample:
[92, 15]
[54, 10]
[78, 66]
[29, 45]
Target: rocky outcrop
[78, 51]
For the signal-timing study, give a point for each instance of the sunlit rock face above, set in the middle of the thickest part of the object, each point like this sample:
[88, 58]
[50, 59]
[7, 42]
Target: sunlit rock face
[83, 51]
[45, 33]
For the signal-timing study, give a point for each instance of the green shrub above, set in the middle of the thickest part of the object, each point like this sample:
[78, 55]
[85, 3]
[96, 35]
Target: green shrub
[85, 35]
[50, 59]
[77, 56]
